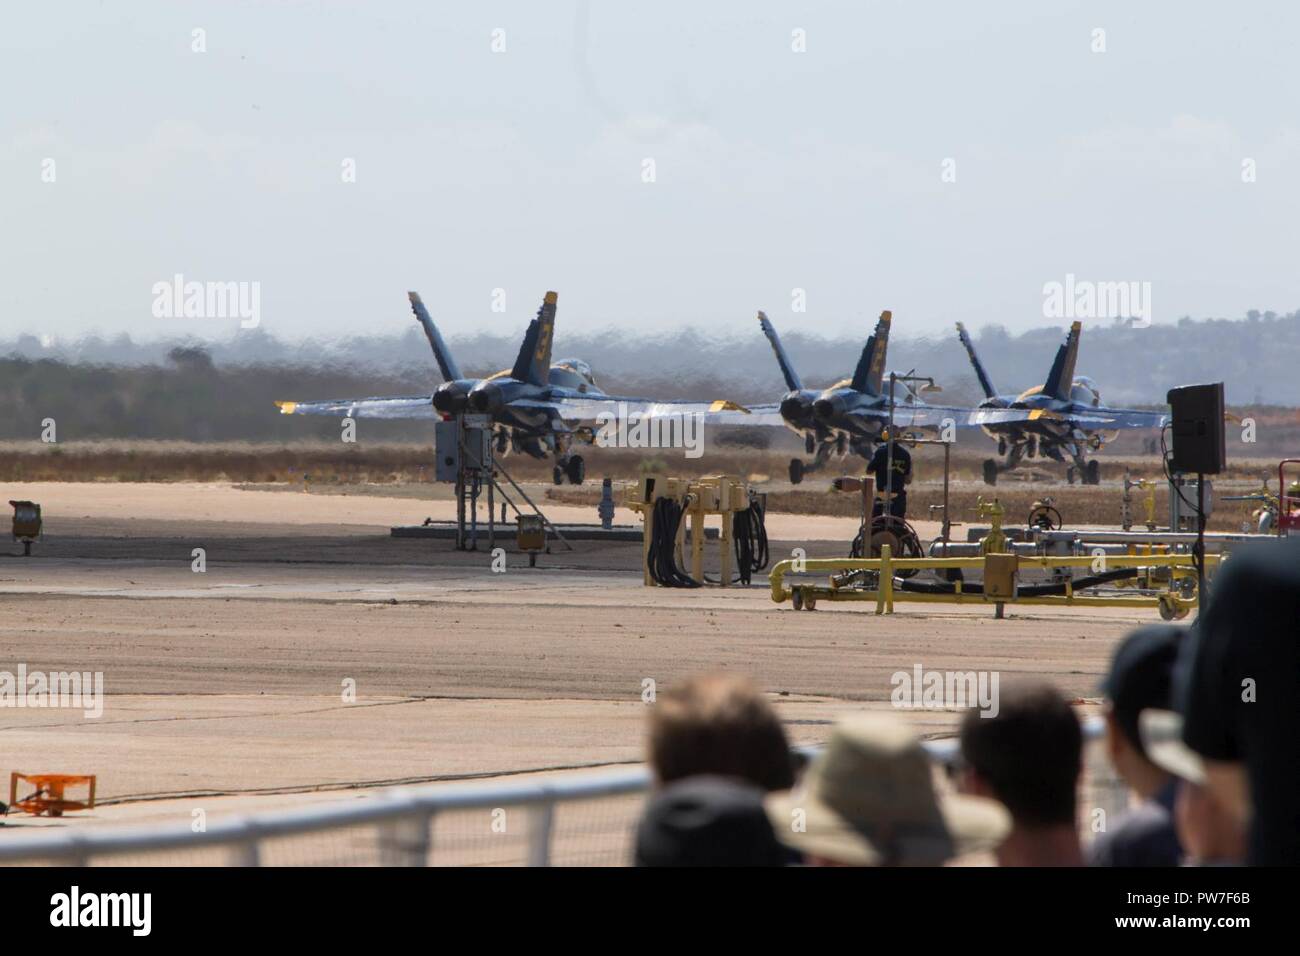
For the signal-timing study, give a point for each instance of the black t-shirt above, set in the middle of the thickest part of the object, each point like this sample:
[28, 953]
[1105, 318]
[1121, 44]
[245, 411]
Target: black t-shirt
[1142, 836]
[880, 465]
[1238, 687]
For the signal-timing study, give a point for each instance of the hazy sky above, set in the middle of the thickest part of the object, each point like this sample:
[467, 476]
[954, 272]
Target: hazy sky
[524, 170]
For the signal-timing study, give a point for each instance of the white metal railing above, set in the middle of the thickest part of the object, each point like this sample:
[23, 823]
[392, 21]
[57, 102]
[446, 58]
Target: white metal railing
[403, 819]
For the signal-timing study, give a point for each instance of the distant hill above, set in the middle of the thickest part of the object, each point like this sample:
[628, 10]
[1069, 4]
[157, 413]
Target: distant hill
[203, 391]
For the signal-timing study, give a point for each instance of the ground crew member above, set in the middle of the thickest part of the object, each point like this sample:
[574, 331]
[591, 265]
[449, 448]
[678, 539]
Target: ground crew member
[894, 482]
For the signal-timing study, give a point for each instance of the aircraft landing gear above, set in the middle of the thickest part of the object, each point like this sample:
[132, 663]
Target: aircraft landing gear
[576, 469]
[798, 469]
[557, 475]
[990, 471]
[1088, 473]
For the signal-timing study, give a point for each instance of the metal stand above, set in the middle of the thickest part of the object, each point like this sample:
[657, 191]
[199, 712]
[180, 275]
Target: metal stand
[473, 469]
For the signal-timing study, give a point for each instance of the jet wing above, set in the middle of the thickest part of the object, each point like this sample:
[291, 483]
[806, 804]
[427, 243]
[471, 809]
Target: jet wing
[937, 416]
[1107, 418]
[411, 406]
[998, 416]
[1127, 418]
[588, 410]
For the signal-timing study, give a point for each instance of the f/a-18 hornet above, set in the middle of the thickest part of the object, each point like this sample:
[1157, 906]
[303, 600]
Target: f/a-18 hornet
[853, 415]
[538, 408]
[1062, 417]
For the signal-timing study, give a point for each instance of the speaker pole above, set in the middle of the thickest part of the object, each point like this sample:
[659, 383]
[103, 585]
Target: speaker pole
[1198, 552]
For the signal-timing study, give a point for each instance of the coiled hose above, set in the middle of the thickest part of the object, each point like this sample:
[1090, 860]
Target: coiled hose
[661, 559]
[749, 540]
[749, 531]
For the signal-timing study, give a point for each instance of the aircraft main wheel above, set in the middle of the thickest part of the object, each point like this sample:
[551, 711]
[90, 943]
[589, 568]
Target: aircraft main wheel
[1002, 446]
[576, 470]
[796, 471]
[809, 444]
[990, 472]
[557, 475]
[1069, 475]
[1094, 472]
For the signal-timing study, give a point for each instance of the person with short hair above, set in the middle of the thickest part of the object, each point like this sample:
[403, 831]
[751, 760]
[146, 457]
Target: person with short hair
[1028, 757]
[719, 725]
[1140, 677]
[708, 821]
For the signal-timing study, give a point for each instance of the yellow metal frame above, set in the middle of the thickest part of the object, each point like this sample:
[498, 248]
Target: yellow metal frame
[712, 495]
[1170, 602]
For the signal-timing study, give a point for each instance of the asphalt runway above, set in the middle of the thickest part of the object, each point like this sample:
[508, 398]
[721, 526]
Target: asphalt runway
[225, 689]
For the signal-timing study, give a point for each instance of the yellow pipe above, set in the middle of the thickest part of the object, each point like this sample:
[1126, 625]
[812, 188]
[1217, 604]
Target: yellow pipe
[885, 596]
[779, 593]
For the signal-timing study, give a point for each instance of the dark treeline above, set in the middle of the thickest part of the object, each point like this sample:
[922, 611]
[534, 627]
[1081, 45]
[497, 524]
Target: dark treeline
[203, 391]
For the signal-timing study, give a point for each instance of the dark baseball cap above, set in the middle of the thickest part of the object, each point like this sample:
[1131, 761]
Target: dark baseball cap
[708, 821]
[1141, 676]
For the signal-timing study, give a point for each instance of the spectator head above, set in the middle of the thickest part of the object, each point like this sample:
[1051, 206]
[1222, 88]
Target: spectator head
[1207, 829]
[708, 821]
[719, 726]
[1028, 757]
[869, 799]
[1140, 678]
[1236, 686]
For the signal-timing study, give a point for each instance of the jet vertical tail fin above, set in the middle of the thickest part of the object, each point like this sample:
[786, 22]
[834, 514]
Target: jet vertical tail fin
[985, 382]
[787, 368]
[534, 361]
[1061, 378]
[869, 375]
[441, 354]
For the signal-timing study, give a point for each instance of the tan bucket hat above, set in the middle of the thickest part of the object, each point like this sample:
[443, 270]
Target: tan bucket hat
[869, 800]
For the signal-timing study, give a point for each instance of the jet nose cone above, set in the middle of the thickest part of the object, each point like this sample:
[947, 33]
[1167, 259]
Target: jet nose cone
[485, 399]
[449, 399]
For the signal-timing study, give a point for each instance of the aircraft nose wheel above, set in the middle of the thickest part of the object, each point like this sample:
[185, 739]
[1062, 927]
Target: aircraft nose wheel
[796, 471]
[557, 475]
[990, 472]
[1093, 472]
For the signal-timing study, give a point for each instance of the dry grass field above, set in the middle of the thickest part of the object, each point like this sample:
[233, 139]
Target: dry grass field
[404, 470]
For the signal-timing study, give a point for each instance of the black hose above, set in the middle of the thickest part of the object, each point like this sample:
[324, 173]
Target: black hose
[749, 531]
[661, 559]
[1027, 590]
